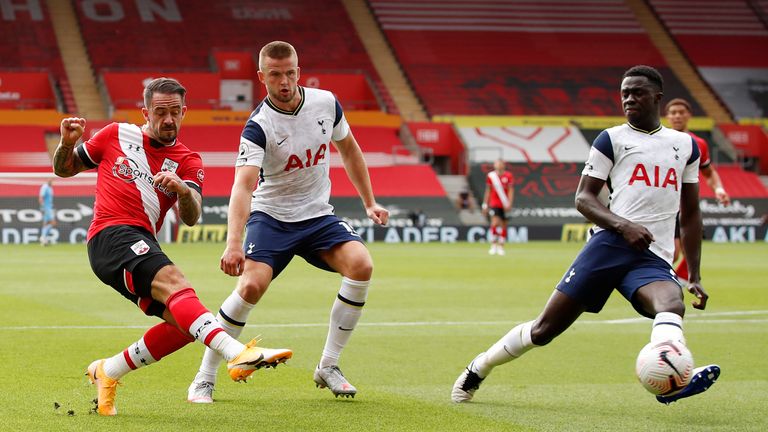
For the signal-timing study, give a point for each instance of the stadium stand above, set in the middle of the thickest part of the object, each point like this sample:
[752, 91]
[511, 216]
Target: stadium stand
[23, 149]
[727, 41]
[33, 52]
[525, 144]
[546, 163]
[26, 90]
[146, 36]
[400, 181]
[525, 58]
[463, 58]
[125, 88]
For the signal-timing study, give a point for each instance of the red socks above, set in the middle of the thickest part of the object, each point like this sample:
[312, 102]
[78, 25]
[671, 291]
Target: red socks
[190, 314]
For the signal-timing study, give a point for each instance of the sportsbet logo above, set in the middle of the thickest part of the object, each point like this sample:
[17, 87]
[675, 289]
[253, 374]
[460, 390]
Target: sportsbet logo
[128, 171]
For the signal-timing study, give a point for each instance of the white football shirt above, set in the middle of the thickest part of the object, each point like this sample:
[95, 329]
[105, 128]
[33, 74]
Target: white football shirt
[645, 172]
[293, 151]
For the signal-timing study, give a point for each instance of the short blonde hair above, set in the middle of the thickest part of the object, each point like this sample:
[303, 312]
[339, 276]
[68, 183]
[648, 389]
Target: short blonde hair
[277, 50]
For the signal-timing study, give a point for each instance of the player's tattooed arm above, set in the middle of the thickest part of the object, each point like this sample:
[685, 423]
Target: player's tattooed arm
[65, 162]
[190, 201]
[190, 207]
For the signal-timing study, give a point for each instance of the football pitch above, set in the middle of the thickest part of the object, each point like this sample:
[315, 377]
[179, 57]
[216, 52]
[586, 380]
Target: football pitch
[431, 309]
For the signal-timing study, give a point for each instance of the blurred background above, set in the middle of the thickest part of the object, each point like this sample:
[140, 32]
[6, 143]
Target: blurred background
[435, 91]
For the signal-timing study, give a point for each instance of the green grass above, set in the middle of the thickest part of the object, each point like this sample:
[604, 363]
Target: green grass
[431, 308]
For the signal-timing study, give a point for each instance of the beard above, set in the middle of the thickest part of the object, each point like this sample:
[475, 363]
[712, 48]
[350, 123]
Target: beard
[284, 98]
[166, 136]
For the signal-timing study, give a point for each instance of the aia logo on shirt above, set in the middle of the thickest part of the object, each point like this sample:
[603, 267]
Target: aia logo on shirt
[128, 171]
[307, 160]
[653, 176]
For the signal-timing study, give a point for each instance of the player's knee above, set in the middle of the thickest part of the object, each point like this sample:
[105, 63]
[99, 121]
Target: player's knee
[674, 305]
[251, 289]
[542, 333]
[363, 270]
[660, 298]
[358, 267]
[168, 280]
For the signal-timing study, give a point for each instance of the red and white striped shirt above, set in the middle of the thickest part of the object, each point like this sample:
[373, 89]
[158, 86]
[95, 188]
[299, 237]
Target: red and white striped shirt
[127, 160]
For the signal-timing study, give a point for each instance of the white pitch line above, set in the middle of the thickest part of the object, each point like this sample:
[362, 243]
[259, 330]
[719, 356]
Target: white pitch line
[700, 318]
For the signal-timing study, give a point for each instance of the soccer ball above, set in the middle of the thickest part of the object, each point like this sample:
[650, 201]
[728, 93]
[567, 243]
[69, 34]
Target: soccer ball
[664, 368]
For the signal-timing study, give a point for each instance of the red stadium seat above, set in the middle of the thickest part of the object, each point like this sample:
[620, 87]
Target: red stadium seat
[496, 58]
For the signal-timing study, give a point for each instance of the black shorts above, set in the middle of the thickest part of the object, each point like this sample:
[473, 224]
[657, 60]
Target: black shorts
[498, 212]
[127, 258]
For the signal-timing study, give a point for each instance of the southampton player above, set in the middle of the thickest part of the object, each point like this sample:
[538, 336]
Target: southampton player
[142, 173]
[285, 149]
[497, 202]
[678, 114]
[653, 173]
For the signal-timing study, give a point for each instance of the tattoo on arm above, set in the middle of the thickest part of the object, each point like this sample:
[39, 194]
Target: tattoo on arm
[66, 163]
[190, 208]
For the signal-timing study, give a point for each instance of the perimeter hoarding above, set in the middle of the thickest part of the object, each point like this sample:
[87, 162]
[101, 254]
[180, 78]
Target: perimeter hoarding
[21, 219]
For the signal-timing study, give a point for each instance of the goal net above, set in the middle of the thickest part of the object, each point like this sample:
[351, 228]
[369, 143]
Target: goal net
[20, 213]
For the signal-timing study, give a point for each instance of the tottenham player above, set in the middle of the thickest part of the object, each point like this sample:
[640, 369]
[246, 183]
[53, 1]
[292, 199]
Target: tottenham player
[678, 115]
[653, 172]
[142, 173]
[497, 202]
[285, 149]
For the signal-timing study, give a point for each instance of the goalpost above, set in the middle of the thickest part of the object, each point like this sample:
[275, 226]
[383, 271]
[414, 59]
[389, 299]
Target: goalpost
[20, 214]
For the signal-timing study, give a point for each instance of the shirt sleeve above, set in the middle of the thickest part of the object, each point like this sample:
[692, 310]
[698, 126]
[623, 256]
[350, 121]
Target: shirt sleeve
[691, 171]
[600, 160]
[253, 143]
[194, 173]
[704, 160]
[340, 125]
[92, 151]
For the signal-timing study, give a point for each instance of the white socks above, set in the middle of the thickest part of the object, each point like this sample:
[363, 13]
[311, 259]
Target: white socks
[667, 326]
[232, 316]
[207, 330]
[345, 313]
[514, 344]
[117, 366]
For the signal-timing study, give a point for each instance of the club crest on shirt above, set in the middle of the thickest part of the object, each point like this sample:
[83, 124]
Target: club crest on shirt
[140, 247]
[169, 165]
